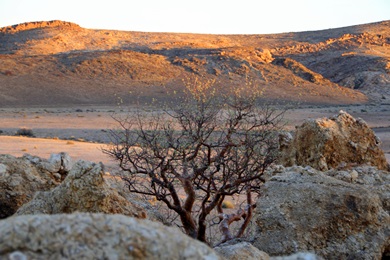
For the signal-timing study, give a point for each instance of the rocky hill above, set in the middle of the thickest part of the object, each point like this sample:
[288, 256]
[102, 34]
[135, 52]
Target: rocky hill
[60, 63]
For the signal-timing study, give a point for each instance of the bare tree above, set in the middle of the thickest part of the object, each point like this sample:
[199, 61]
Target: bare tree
[199, 152]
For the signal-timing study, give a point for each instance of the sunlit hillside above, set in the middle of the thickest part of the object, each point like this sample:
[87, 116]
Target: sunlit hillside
[60, 63]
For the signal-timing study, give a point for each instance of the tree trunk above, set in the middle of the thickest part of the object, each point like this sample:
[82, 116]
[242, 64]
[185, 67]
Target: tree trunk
[189, 224]
[202, 228]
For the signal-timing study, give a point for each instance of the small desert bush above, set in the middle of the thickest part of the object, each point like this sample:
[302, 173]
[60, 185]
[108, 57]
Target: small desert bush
[188, 156]
[25, 132]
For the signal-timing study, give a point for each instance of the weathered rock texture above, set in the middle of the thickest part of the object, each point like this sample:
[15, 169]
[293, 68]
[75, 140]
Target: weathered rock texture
[21, 177]
[240, 251]
[85, 190]
[95, 236]
[298, 256]
[332, 142]
[60, 163]
[301, 209]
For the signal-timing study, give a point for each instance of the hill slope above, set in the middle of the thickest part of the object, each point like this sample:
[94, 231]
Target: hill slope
[60, 63]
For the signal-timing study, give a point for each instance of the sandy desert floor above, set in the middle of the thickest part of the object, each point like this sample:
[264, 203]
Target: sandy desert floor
[82, 132]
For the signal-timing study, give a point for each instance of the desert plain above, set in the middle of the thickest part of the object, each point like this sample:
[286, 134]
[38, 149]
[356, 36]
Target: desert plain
[83, 132]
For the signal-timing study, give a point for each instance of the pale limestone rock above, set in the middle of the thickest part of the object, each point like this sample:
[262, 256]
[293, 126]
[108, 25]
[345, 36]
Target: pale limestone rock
[60, 162]
[3, 170]
[17, 256]
[95, 236]
[302, 209]
[333, 142]
[240, 251]
[20, 178]
[298, 256]
[84, 189]
[354, 175]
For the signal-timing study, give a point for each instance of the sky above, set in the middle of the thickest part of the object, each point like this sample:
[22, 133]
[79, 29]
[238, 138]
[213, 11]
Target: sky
[200, 16]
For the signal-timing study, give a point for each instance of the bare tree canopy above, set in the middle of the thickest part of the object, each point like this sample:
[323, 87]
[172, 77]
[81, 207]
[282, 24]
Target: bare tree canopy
[198, 152]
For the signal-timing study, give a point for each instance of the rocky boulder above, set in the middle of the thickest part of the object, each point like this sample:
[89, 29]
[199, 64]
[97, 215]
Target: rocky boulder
[334, 142]
[21, 177]
[240, 251]
[95, 236]
[84, 189]
[298, 256]
[60, 163]
[302, 209]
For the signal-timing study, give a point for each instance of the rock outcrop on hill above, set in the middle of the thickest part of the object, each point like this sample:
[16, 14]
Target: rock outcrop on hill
[95, 236]
[21, 177]
[336, 214]
[301, 71]
[339, 141]
[36, 25]
[84, 190]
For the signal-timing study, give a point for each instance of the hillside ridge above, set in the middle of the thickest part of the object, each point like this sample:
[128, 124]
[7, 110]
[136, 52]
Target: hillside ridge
[56, 62]
[35, 25]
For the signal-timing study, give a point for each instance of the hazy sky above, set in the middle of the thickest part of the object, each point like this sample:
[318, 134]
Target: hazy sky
[200, 16]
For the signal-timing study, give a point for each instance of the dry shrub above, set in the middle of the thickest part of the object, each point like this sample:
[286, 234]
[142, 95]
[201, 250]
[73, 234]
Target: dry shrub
[25, 132]
[197, 152]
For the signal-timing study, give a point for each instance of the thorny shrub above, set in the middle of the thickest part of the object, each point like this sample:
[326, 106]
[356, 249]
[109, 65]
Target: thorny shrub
[199, 151]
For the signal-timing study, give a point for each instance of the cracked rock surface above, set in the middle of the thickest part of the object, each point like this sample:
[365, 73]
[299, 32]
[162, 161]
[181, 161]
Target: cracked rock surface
[95, 236]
